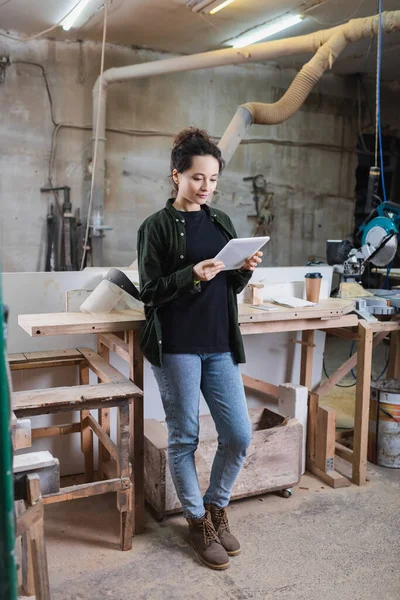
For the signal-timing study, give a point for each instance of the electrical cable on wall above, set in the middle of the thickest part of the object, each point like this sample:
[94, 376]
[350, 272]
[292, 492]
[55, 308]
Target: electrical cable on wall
[378, 132]
[96, 140]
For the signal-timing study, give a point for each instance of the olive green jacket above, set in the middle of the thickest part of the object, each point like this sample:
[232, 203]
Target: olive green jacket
[161, 249]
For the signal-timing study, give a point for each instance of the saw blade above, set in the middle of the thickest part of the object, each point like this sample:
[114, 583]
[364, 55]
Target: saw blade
[375, 236]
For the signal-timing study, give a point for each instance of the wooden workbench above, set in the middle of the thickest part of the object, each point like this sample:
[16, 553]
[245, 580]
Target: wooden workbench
[330, 314]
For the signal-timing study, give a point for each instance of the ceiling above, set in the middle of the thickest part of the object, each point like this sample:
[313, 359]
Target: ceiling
[169, 25]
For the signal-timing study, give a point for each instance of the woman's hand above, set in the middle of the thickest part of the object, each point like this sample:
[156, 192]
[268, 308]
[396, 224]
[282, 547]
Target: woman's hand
[251, 263]
[207, 269]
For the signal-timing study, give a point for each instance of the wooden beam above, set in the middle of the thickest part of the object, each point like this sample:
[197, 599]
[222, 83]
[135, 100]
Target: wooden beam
[307, 353]
[325, 439]
[86, 432]
[103, 415]
[84, 490]
[297, 325]
[256, 385]
[115, 344]
[342, 332]
[103, 437]
[311, 426]
[55, 430]
[342, 371]
[137, 432]
[49, 400]
[363, 386]
[344, 452]
[333, 478]
[28, 518]
[385, 326]
[101, 367]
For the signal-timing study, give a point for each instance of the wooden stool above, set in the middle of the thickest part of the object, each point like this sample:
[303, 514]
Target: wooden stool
[120, 394]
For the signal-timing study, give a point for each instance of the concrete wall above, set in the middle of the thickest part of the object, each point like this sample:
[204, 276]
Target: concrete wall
[309, 171]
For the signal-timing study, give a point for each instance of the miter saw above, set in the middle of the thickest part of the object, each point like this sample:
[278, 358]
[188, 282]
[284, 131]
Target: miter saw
[378, 235]
[379, 241]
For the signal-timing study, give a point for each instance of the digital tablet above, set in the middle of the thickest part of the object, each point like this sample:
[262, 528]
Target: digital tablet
[236, 251]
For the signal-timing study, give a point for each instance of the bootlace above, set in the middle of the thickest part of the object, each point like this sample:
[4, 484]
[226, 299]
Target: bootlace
[221, 520]
[209, 532]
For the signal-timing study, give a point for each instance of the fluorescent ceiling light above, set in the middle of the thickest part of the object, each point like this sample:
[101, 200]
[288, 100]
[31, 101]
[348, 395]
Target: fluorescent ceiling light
[221, 6]
[73, 15]
[260, 33]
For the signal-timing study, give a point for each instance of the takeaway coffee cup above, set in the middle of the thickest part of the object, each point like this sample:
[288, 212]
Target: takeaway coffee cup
[313, 286]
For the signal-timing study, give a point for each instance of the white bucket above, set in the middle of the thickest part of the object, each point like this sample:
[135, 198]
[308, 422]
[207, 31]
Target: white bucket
[384, 424]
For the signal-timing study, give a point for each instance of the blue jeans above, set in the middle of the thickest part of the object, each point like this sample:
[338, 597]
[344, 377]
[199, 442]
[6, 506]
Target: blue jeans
[180, 380]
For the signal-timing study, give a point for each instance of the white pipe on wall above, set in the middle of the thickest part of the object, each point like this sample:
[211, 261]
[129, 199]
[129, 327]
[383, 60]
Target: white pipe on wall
[340, 36]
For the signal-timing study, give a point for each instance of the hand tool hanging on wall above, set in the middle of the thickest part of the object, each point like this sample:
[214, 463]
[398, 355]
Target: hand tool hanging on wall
[262, 201]
[62, 248]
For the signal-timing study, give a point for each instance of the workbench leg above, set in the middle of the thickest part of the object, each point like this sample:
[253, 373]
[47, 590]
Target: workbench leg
[393, 370]
[86, 432]
[124, 497]
[39, 557]
[104, 413]
[137, 431]
[361, 418]
[307, 353]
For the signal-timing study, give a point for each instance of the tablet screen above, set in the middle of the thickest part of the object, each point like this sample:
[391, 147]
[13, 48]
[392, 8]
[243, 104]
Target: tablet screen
[236, 251]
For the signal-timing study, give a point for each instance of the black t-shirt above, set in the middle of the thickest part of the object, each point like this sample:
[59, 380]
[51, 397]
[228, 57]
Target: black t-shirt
[198, 323]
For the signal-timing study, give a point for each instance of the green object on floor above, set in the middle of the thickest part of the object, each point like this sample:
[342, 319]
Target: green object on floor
[8, 571]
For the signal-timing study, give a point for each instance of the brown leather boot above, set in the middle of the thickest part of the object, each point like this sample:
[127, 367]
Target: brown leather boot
[206, 543]
[221, 525]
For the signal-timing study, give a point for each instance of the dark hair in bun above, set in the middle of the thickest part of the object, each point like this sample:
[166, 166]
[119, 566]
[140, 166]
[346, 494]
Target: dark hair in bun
[192, 142]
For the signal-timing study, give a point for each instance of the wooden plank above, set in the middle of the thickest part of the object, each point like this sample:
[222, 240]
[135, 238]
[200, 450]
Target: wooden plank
[103, 437]
[256, 385]
[342, 332]
[249, 328]
[76, 323]
[385, 326]
[137, 432]
[325, 309]
[84, 490]
[38, 402]
[14, 359]
[307, 353]
[311, 425]
[86, 432]
[333, 478]
[39, 557]
[103, 415]
[363, 385]
[326, 387]
[325, 439]
[28, 518]
[115, 344]
[101, 367]
[124, 497]
[393, 370]
[344, 452]
[22, 434]
[33, 487]
[55, 430]
[66, 362]
[51, 355]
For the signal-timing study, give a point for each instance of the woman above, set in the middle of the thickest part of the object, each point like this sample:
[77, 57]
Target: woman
[192, 338]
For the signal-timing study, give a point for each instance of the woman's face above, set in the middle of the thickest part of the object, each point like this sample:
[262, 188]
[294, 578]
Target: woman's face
[197, 184]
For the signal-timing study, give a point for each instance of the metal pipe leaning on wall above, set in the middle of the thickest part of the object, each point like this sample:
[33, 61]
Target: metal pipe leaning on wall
[326, 44]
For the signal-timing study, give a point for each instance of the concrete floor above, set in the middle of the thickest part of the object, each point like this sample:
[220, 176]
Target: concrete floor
[321, 544]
